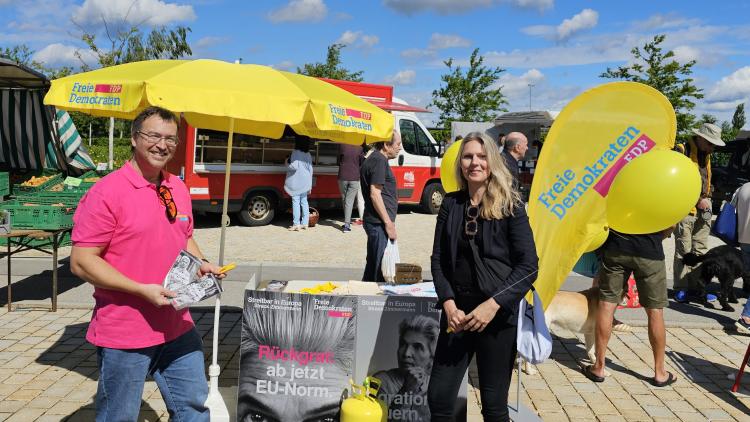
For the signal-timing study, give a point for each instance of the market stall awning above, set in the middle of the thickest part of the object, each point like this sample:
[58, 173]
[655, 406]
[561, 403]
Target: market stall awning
[16, 75]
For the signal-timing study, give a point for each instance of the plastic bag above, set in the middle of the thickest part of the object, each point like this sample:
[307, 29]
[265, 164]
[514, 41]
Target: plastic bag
[534, 340]
[390, 259]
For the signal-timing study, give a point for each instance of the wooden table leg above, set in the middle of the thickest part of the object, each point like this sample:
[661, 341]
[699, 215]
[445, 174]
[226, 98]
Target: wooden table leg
[54, 272]
[10, 296]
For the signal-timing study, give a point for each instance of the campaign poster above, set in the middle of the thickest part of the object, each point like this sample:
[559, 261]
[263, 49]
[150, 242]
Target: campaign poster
[296, 356]
[396, 339]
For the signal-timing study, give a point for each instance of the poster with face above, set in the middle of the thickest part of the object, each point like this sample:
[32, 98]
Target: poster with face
[296, 356]
[396, 338]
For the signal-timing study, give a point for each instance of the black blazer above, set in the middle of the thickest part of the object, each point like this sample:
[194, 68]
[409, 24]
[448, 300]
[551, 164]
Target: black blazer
[507, 247]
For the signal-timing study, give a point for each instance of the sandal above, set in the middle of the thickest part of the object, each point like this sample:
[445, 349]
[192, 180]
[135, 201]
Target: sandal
[669, 381]
[590, 375]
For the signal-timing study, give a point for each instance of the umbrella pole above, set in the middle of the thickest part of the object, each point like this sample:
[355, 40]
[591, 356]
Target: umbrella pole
[215, 402]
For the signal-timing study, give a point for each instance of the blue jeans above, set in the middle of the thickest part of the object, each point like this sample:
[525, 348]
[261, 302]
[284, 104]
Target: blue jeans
[176, 366]
[300, 201]
[745, 248]
[377, 239]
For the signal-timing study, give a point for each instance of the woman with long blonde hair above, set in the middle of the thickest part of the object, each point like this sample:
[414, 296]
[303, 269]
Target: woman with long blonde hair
[483, 262]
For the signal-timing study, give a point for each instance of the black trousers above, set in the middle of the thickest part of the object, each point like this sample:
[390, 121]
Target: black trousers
[377, 239]
[495, 349]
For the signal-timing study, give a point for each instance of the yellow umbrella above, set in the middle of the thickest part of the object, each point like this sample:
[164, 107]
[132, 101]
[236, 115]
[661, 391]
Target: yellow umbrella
[210, 94]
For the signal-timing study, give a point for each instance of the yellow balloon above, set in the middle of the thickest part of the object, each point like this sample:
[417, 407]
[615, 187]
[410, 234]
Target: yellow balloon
[653, 192]
[596, 242]
[448, 168]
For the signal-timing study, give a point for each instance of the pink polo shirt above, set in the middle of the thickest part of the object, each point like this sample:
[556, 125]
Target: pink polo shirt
[122, 212]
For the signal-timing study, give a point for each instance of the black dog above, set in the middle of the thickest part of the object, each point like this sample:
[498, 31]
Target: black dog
[723, 262]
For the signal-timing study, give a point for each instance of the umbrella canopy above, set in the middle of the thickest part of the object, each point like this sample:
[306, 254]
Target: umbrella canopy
[211, 94]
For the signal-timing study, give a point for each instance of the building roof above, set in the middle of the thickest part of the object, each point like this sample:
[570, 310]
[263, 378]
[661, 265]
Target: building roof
[543, 118]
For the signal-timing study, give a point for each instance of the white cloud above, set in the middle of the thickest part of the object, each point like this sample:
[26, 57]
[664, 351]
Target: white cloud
[735, 86]
[606, 51]
[369, 41]
[452, 7]
[686, 53]
[348, 37]
[665, 21]
[587, 19]
[418, 54]
[300, 11]
[358, 38]
[443, 41]
[151, 12]
[287, 65]
[403, 77]
[64, 55]
[519, 85]
[207, 42]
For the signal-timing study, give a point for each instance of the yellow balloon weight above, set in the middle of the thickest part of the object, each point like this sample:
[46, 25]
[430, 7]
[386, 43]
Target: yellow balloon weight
[596, 242]
[653, 192]
[448, 168]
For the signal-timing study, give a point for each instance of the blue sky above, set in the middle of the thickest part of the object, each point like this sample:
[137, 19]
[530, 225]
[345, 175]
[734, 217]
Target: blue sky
[560, 47]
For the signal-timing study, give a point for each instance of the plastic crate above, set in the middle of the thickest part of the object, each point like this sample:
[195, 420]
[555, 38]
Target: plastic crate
[68, 198]
[42, 217]
[57, 178]
[4, 184]
[41, 243]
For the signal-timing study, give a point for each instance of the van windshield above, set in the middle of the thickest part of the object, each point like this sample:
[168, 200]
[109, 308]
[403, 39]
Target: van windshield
[414, 140]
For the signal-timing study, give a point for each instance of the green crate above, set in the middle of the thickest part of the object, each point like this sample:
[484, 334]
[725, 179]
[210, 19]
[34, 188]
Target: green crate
[4, 183]
[41, 243]
[68, 198]
[42, 217]
[18, 188]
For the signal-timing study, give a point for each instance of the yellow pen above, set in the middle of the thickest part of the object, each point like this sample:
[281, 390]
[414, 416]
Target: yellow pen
[228, 267]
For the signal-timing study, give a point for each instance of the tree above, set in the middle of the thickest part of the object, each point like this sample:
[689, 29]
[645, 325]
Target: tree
[18, 53]
[660, 70]
[469, 96]
[131, 45]
[331, 69]
[738, 120]
[708, 118]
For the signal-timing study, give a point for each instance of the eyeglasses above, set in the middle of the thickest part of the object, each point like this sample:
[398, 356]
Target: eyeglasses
[472, 226]
[154, 138]
[165, 198]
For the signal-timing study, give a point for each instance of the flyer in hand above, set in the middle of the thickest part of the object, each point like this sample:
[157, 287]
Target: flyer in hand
[183, 279]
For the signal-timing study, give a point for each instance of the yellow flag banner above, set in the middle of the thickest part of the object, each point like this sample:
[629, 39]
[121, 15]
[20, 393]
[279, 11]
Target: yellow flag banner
[591, 145]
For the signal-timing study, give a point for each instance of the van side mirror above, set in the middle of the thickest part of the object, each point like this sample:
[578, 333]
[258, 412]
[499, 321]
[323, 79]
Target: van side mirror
[401, 160]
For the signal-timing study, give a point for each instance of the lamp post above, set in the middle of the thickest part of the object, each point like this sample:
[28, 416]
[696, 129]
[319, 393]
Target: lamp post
[530, 86]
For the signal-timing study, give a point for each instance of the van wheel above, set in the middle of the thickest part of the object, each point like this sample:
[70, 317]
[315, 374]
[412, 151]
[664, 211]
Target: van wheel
[258, 210]
[432, 198]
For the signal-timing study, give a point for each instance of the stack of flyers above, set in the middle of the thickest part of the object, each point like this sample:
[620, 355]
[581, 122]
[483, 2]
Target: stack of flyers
[183, 279]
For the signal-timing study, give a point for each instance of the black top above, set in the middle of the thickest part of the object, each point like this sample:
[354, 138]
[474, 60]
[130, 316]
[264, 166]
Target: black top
[512, 164]
[350, 158]
[465, 273]
[647, 246]
[376, 171]
[507, 242]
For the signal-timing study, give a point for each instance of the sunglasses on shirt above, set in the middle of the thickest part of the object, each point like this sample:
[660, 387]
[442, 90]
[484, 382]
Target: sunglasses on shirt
[472, 226]
[166, 199]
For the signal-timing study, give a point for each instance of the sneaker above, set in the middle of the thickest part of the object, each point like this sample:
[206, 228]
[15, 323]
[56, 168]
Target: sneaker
[294, 228]
[681, 296]
[742, 326]
[346, 229]
[710, 297]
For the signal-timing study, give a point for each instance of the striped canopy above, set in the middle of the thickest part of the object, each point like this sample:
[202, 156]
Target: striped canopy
[33, 136]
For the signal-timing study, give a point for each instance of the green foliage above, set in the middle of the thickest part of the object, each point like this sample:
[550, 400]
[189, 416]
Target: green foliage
[131, 45]
[99, 150]
[658, 69]
[738, 120]
[708, 118]
[332, 68]
[468, 96]
[19, 53]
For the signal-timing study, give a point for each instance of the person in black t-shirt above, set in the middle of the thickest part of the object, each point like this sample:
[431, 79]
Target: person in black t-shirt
[643, 256]
[381, 203]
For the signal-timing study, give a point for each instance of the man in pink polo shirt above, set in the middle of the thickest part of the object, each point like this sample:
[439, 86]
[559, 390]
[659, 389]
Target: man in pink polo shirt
[127, 232]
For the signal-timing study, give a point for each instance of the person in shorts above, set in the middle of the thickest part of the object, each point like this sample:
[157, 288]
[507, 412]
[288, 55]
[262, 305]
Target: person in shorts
[643, 256]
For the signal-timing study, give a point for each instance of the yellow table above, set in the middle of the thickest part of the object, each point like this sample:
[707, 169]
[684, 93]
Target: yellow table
[19, 241]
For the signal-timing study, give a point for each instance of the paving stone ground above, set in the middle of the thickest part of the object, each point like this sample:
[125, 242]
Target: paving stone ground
[48, 373]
